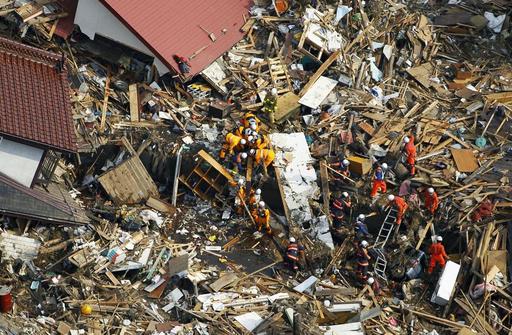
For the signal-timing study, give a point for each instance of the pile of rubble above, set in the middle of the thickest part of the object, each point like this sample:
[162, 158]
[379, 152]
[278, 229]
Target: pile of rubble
[343, 169]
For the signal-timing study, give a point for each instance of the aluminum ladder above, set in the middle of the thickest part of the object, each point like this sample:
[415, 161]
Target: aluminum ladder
[386, 229]
[380, 265]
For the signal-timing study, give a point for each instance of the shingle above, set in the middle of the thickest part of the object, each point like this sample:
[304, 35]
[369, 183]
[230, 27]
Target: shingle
[34, 101]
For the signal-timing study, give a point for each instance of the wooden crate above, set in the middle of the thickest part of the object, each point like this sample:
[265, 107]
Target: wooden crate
[359, 165]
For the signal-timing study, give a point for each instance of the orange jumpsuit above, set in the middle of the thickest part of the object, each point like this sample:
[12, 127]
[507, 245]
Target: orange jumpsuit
[247, 124]
[254, 199]
[262, 217]
[437, 255]
[431, 202]
[229, 145]
[264, 156]
[401, 207]
[410, 151]
[239, 200]
[379, 182]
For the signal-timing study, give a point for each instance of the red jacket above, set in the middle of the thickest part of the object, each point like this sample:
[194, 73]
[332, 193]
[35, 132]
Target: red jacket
[437, 249]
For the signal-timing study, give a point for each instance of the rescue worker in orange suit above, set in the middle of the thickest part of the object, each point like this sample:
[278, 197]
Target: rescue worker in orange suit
[293, 253]
[342, 167]
[379, 180]
[374, 284]
[254, 198]
[400, 206]
[431, 200]
[410, 153]
[258, 141]
[346, 203]
[249, 120]
[240, 197]
[261, 216]
[263, 157]
[362, 257]
[437, 254]
[232, 141]
[337, 213]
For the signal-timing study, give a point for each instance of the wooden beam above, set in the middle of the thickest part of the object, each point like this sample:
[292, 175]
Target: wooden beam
[104, 107]
[319, 72]
[134, 103]
[324, 177]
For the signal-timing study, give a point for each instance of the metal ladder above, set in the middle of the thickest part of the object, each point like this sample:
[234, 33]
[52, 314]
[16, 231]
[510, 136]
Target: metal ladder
[386, 229]
[380, 265]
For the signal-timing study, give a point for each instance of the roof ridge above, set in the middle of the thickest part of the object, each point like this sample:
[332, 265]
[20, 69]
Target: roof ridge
[29, 52]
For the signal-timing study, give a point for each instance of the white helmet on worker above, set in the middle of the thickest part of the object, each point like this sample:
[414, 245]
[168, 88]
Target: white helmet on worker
[371, 280]
[327, 303]
[292, 240]
[254, 126]
[262, 204]
[391, 197]
[274, 91]
[344, 194]
[364, 244]
[431, 190]
[258, 191]
[244, 155]
[361, 217]
[243, 141]
[384, 166]
[346, 162]
[406, 139]
[241, 181]
[439, 239]
[252, 152]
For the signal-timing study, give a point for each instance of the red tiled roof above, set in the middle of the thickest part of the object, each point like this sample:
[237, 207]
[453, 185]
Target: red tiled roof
[170, 27]
[34, 97]
[66, 24]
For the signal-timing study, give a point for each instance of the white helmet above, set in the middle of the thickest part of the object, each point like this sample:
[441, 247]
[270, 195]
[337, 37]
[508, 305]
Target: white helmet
[243, 141]
[364, 244]
[254, 126]
[241, 182]
[431, 190]
[262, 204]
[258, 191]
[439, 239]
[346, 162]
[361, 217]
[292, 240]
[344, 194]
[406, 139]
[273, 91]
[384, 166]
[327, 303]
[371, 280]
[244, 155]
[252, 152]
[250, 138]
[391, 197]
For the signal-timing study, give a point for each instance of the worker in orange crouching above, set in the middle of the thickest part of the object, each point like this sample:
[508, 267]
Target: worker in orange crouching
[437, 254]
[231, 142]
[400, 205]
[254, 198]
[410, 154]
[263, 157]
[240, 197]
[431, 200]
[379, 180]
[261, 216]
[293, 253]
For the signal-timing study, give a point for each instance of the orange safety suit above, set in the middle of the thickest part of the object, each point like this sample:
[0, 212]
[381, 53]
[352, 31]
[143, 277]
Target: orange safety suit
[379, 182]
[229, 145]
[254, 199]
[410, 151]
[437, 255]
[264, 156]
[401, 207]
[262, 217]
[431, 202]
[293, 252]
[239, 200]
[261, 142]
[362, 257]
[247, 124]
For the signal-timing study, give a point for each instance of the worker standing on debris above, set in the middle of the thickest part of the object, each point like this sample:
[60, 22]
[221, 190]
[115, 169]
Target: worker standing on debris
[238, 161]
[342, 167]
[346, 203]
[361, 228]
[379, 180]
[254, 198]
[270, 103]
[261, 216]
[410, 154]
[362, 260]
[400, 205]
[437, 254]
[232, 141]
[240, 197]
[183, 64]
[337, 213]
[431, 200]
[264, 157]
[293, 253]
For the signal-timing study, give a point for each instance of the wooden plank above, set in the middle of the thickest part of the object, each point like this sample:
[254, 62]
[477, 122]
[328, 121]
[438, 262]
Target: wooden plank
[204, 155]
[465, 160]
[134, 103]
[160, 205]
[281, 192]
[319, 72]
[223, 281]
[324, 177]
[104, 106]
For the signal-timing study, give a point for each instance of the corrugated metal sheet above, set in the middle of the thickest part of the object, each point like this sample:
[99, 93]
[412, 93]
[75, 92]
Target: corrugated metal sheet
[170, 27]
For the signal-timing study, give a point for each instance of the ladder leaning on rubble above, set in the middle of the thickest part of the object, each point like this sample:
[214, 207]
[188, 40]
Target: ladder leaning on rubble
[386, 229]
[380, 242]
[279, 75]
